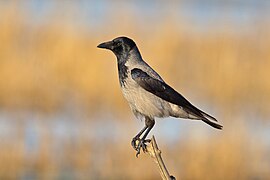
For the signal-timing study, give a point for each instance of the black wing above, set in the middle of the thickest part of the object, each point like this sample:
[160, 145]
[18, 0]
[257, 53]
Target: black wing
[164, 91]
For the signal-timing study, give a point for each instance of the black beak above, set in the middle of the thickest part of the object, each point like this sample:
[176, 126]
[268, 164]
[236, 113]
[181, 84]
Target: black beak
[106, 45]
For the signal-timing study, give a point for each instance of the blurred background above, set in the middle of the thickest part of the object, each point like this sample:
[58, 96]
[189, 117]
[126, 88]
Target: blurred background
[62, 114]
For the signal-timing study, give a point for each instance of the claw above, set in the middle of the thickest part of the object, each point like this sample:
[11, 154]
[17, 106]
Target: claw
[149, 123]
[147, 140]
[133, 142]
[140, 145]
[137, 154]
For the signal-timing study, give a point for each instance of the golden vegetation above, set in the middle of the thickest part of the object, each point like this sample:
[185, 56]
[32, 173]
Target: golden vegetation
[41, 67]
[46, 68]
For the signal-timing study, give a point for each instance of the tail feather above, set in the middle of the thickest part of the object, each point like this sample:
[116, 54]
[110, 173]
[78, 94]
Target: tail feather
[213, 124]
[210, 120]
[196, 113]
[208, 116]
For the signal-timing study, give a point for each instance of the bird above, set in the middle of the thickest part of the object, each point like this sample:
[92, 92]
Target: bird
[147, 94]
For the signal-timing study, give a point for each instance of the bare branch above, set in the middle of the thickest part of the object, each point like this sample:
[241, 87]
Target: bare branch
[155, 153]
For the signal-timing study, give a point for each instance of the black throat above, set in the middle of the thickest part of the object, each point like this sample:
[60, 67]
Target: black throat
[122, 69]
[122, 57]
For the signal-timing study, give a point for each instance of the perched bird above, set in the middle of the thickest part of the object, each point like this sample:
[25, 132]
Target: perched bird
[147, 93]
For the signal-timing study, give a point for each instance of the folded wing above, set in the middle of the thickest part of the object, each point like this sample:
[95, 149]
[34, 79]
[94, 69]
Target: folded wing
[165, 92]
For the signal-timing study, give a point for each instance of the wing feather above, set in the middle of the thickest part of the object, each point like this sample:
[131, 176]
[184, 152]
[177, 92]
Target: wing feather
[165, 92]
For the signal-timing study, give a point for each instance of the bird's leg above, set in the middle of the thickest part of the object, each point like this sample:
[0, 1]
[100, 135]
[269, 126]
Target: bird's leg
[137, 137]
[143, 140]
[149, 123]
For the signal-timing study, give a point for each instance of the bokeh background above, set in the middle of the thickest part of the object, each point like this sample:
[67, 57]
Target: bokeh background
[62, 114]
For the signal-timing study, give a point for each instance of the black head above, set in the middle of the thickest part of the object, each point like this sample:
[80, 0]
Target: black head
[120, 46]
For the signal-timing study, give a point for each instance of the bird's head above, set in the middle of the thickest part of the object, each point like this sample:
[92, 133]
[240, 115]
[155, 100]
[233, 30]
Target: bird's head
[120, 46]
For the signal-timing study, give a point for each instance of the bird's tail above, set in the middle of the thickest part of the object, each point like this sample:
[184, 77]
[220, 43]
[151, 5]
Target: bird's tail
[210, 120]
[196, 113]
[212, 123]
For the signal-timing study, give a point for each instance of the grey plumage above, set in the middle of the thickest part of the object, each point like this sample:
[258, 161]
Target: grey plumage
[146, 92]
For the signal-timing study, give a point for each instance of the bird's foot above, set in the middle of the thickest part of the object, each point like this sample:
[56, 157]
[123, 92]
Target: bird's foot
[134, 143]
[139, 144]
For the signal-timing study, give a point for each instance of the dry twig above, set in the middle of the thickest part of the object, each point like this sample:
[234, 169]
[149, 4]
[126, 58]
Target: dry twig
[155, 153]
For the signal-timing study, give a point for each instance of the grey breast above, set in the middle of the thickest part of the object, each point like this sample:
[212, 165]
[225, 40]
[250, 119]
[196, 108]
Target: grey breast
[142, 102]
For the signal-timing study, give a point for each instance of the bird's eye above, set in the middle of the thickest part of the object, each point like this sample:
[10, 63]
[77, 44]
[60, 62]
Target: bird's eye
[118, 44]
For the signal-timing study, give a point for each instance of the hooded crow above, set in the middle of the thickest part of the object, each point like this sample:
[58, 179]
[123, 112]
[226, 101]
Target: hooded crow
[148, 95]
